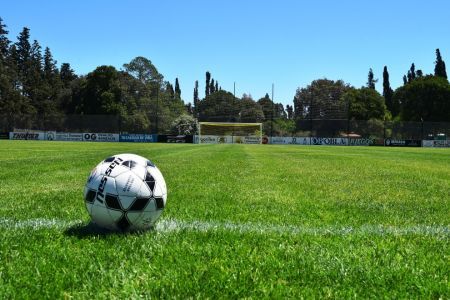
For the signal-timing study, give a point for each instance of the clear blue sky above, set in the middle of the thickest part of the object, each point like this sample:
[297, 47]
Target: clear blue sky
[250, 42]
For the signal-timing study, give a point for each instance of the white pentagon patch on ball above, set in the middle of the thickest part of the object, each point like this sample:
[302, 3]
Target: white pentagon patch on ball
[125, 192]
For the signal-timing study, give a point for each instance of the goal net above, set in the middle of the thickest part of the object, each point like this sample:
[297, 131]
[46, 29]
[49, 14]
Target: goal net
[229, 133]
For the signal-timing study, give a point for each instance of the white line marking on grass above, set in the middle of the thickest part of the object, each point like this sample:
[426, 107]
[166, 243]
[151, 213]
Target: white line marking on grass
[39, 223]
[170, 225]
[174, 225]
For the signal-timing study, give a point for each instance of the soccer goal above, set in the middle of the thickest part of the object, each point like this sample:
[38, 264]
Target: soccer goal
[229, 133]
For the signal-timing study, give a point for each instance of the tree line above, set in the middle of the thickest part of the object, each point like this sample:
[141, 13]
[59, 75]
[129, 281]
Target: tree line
[32, 85]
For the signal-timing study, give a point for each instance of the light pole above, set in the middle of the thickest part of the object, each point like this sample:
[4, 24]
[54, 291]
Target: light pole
[234, 104]
[271, 116]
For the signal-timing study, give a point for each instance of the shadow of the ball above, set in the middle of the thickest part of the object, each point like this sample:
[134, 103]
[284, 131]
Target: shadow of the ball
[91, 229]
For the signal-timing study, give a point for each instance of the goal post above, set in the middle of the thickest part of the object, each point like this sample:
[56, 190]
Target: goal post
[229, 133]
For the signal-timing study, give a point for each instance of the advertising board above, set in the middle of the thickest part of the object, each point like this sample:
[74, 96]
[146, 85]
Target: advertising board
[436, 143]
[329, 141]
[69, 136]
[35, 135]
[402, 143]
[289, 140]
[138, 138]
[100, 137]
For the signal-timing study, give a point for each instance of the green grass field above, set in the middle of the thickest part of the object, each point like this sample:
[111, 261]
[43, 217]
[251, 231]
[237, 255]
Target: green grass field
[241, 221]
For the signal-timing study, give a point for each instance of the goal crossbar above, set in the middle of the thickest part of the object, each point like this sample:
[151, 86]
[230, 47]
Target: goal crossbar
[230, 132]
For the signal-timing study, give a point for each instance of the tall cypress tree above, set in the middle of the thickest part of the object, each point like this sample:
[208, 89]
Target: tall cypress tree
[439, 69]
[23, 50]
[290, 112]
[207, 88]
[177, 88]
[35, 85]
[387, 90]
[412, 70]
[4, 41]
[66, 74]
[212, 87]
[170, 90]
[51, 72]
[196, 94]
[50, 69]
[370, 80]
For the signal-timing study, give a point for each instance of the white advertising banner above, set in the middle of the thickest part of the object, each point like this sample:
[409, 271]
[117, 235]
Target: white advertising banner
[246, 140]
[35, 135]
[101, 137]
[69, 136]
[227, 139]
[50, 135]
[436, 143]
[329, 141]
[360, 142]
[289, 140]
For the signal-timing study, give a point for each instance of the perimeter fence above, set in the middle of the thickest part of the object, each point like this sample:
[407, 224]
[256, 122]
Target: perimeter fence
[374, 129]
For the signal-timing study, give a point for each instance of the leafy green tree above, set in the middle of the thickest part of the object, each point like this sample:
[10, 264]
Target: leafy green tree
[220, 106]
[13, 105]
[280, 113]
[281, 127]
[102, 93]
[71, 96]
[267, 107]
[439, 69]
[249, 110]
[144, 70]
[365, 104]
[184, 124]
[426, 98]
[321, 100]
[169, 109]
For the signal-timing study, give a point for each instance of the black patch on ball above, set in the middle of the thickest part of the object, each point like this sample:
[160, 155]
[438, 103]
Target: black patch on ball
[90, 196]
[129, 163]
[112, 202]
[123, 223]
[150, 181]
[110, 159]
[159, 203]
[150, 164]
[139, 204]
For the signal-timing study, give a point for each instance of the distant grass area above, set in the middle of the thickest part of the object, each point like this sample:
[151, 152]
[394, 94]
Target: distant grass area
[241, 221]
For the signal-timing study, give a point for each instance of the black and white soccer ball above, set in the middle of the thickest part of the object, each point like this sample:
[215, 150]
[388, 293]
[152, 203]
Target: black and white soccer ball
[125, 192]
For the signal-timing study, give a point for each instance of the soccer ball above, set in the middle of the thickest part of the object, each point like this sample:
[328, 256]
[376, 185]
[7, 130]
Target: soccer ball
[125, 192]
